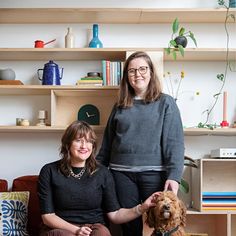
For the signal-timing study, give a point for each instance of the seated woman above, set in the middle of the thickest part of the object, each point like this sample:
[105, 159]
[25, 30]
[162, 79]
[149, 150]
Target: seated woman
[76, 193]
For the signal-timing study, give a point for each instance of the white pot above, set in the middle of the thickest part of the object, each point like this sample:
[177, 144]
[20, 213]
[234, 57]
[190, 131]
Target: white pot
[7, 74]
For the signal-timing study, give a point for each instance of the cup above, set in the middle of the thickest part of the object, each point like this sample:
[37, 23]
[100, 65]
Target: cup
[18, 121]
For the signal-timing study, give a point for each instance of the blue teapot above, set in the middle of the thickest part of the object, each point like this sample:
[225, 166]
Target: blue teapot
[51, 74]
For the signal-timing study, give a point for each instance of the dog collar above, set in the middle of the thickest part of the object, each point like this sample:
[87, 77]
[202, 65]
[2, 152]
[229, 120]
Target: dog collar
[167, 233]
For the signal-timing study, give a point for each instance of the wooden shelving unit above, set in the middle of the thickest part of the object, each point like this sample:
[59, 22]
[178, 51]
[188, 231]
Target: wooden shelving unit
[60, 96]
[110, 15]
[209, 177]
[45, 89]
[214, 132]
[217, 223]
[75, 54]
[68, 91]
[41, 129]
[63, 54]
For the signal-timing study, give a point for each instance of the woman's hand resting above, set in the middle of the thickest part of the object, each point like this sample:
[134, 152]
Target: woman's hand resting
[84, 231]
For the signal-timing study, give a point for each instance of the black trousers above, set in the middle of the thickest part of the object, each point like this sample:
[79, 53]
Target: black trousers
[133, 188]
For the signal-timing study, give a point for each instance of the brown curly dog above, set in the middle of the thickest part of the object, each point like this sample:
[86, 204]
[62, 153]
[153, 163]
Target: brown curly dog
[168, 217]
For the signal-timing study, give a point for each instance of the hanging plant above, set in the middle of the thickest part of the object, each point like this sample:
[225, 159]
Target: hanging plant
[179, 40]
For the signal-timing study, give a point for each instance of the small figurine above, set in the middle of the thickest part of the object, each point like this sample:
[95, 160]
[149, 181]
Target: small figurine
[25, 122]
[42, 116]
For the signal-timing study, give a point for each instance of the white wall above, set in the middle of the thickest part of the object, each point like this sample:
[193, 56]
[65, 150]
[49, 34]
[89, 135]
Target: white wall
[22, 154]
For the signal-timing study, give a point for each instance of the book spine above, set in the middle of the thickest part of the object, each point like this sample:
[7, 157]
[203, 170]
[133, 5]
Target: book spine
[104, 74]
[108, 72]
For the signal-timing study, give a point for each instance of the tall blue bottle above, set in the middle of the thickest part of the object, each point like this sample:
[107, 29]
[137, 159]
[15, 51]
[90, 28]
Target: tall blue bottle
[95, 42]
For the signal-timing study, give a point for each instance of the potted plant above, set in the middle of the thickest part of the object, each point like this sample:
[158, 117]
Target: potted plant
[179, 40]
[184, 185]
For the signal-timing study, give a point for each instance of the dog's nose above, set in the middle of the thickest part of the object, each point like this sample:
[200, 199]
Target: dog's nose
[166, 207]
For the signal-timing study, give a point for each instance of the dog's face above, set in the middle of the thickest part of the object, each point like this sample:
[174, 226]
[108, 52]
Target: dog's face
[168, 213]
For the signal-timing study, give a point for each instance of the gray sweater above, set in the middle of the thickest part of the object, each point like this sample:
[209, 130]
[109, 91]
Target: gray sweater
[145, 137]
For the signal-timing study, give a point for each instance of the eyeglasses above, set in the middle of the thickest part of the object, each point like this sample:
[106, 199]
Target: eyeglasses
[82, 141]
[142, 70]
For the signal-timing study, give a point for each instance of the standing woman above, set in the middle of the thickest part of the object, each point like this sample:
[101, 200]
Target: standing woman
[143, 142]
[75, 192]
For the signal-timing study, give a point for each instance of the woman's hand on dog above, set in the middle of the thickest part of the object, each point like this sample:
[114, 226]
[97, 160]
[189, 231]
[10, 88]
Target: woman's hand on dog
[171, 185]
[149, 202]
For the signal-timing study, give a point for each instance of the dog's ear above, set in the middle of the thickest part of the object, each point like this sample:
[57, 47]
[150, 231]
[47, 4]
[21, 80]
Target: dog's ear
[183, 213]
[150, 219]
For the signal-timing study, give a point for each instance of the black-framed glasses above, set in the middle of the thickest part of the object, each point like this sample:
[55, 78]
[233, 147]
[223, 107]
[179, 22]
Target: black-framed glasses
[142, 70]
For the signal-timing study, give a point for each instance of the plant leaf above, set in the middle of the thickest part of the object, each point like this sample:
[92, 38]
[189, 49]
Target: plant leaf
[188, 161]
[200, 125]
[173, 43]
[167, 50]
[184, 186]
[181, 31]
[220, 77]
[181, 49]
[217, 94]
[221, 2]
[191, 35]
[232, 16]
[174, 54]
[175, 26]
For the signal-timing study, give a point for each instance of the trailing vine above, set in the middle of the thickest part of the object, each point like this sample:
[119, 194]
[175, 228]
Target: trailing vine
[222, 77]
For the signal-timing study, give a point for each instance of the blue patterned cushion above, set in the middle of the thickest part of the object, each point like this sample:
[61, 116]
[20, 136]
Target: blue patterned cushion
[13, 213]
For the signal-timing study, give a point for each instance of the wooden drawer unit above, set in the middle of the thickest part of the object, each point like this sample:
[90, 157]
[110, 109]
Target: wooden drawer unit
[213, 175]
[209, 224]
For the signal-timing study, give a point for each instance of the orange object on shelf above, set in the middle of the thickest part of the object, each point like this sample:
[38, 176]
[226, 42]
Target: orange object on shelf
[10, 82]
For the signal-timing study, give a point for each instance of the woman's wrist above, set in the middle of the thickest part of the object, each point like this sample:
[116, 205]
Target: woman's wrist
[139, 209]
[77, 231]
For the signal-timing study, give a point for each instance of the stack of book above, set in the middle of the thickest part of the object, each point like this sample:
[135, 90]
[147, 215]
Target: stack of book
[90, 81]
[112, 72]
[219, 201]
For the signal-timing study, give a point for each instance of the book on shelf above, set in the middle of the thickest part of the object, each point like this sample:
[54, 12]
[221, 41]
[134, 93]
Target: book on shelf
[219, 204]
[219, 201]
[218, 194]
[218, 208]
[90, 82]
[90, 78]
[111, 72]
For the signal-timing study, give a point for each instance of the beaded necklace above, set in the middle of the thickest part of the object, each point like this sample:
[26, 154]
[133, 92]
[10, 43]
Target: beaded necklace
[79, 175]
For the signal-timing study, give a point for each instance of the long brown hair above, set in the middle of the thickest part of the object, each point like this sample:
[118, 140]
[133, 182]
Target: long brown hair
[127, 93]
[77, 129]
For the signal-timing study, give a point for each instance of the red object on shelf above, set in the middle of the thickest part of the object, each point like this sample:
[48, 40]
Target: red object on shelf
[224, 123]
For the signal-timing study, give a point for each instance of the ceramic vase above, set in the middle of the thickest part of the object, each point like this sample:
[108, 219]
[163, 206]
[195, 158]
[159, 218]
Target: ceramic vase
[7, 74]
[69, 39]
[95, 42]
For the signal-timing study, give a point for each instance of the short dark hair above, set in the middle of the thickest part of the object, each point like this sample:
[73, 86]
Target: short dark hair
[75, 129]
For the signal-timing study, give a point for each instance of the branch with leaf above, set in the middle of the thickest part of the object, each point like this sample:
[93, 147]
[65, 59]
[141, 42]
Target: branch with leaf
[223, 76]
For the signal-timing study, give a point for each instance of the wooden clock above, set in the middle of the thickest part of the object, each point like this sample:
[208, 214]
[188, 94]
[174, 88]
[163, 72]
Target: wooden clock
[90, 114]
